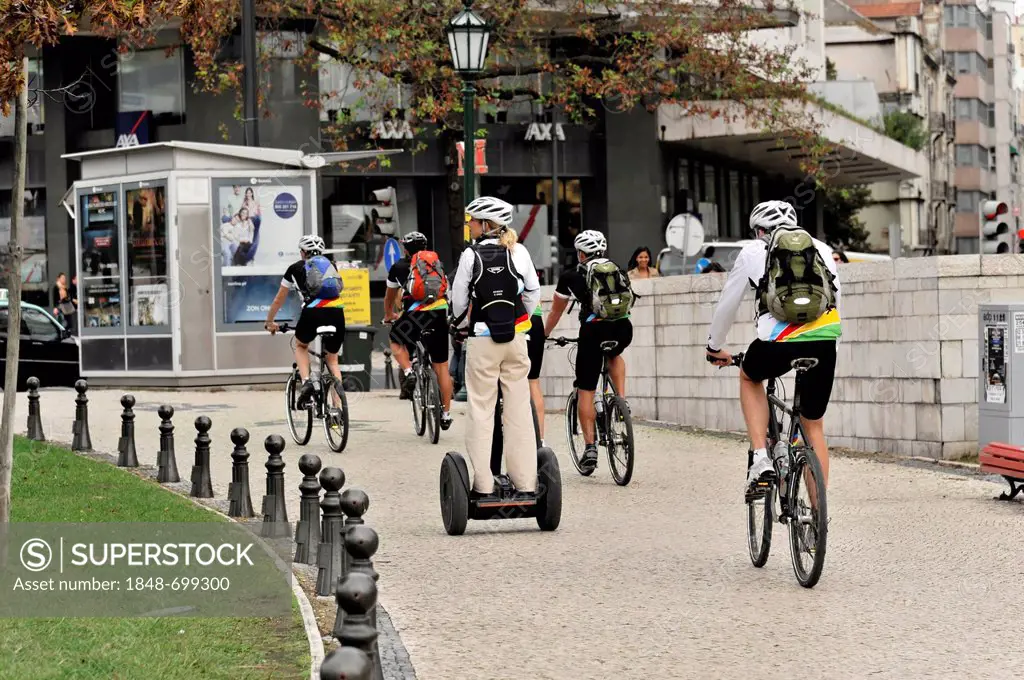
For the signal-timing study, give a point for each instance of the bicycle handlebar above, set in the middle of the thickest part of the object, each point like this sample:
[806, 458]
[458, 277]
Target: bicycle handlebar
[562, 341]
[737, 359]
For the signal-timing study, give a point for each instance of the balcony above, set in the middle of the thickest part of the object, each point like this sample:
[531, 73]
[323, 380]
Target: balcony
[937, 122]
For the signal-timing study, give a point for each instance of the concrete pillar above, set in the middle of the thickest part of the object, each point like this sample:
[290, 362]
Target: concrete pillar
[633, 183]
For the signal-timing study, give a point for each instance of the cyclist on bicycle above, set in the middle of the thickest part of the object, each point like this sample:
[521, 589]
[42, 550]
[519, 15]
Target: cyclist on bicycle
[605, 332]
[425, 319]
[318, 284]
[778, 343]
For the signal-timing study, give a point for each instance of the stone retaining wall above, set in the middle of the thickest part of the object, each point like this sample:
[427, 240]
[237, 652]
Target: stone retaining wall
[907, 374]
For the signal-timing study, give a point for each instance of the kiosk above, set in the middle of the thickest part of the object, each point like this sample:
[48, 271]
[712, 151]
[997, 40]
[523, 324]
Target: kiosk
[180, 251]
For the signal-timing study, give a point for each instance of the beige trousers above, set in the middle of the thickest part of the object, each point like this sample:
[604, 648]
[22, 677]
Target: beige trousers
[488, 363]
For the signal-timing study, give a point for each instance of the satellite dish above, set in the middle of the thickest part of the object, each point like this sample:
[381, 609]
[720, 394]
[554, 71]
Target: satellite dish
[685, 233]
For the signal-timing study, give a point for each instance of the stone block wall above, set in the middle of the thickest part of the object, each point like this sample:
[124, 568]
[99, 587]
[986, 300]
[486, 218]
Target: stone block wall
[906, 379]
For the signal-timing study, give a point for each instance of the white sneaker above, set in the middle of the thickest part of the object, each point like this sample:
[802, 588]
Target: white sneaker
[762, 468]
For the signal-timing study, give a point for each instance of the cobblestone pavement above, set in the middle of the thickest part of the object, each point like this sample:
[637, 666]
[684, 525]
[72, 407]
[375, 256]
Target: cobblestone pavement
[650, 581]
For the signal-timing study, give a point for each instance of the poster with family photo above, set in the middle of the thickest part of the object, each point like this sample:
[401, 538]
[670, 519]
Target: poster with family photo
[258, 224]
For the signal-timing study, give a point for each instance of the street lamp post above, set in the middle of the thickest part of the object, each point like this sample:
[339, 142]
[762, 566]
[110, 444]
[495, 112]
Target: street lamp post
[468, 39]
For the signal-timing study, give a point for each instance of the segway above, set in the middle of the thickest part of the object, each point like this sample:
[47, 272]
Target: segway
[459, 503]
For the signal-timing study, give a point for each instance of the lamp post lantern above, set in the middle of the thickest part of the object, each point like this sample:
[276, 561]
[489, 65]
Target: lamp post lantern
[468, 39]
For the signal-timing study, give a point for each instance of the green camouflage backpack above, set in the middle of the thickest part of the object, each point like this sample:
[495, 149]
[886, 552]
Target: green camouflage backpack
[611, 296]
[797, 286]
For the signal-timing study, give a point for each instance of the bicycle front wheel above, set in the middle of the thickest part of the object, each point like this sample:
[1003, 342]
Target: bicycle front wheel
[419, 405]
[574, 433]
[335, 414]
[433, 407]
[300, 420]
[620, 440]
[808, 524]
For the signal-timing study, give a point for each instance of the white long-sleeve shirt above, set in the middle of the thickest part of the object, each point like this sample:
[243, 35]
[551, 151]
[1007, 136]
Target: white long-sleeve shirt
[521, 260]
[745, 274]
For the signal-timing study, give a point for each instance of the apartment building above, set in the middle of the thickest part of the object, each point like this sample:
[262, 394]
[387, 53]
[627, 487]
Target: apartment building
[900, 51]
[979, 50]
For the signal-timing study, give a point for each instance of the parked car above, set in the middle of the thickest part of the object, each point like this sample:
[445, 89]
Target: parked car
[48, 350]
[671, 262]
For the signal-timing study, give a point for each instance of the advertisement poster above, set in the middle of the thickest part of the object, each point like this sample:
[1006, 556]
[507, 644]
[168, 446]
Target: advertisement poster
[101, 304]
[356, 295]
[258, 225]
[1018, 332]
[100, 248]
[995, 363]
[146, 230]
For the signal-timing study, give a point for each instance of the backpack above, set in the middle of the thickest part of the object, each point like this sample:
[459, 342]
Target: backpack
[611, 296]
[322, 279]
[797, 286]
[427, 281]
[496, 287]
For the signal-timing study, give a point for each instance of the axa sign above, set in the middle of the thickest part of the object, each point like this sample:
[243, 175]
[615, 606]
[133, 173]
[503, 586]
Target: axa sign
[389, 129]
[127, 140]
[541, 132]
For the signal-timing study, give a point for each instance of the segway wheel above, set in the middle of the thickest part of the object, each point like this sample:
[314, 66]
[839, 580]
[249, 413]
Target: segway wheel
[549, 490]
[454, 494]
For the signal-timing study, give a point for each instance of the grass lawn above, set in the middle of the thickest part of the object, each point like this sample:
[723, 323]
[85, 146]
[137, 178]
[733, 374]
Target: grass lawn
[54, 485]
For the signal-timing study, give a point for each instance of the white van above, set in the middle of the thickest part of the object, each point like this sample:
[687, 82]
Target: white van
[672, 263]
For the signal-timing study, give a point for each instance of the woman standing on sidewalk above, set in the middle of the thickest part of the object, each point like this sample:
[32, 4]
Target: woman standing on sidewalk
[65, 302]
[497, 274]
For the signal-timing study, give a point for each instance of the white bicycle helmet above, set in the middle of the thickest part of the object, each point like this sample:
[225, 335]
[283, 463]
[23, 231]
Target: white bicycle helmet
[415, 237]
[771, 214]
[591, 242]
[312, 244]
[492, 209]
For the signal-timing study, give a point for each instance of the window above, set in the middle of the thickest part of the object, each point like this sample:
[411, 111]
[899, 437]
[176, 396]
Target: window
[3, 320]
[338, 92]
[991, 116]
[39, 327]
[964, 63]
[968, 16]
[970, 108]
[968, 201]
[150, 80]
[972, 155]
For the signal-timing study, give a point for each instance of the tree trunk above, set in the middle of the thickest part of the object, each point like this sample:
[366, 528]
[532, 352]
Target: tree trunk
[14, 295]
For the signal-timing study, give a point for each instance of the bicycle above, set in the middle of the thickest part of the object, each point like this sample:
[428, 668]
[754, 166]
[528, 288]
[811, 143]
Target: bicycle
[611, 410]
[335, 418]
[798, 468]
[426, 403]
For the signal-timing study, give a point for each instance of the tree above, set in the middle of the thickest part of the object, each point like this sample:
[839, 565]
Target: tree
[906, 128]
[840, 208]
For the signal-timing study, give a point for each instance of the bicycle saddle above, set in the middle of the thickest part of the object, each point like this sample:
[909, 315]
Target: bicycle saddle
[609, 345]
[803, 364]
[324, 330]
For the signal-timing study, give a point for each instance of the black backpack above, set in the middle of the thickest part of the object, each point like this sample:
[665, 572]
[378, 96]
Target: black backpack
[495, 289]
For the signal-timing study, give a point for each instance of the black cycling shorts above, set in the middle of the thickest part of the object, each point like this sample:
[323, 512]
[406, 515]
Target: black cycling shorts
[590, 354]
[430, 327]
[312, 318]
[535, 346]
[765, 360]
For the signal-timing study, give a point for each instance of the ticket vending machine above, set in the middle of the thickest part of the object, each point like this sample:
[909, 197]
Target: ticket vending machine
[1000, 389]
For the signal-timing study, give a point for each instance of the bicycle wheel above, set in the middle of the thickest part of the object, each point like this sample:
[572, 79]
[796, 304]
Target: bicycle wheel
[419, 406]
[335, 416]
[300, 420]
[808, 524]
[432, 395]
[759, 527]
[620, 440]
[574, 434]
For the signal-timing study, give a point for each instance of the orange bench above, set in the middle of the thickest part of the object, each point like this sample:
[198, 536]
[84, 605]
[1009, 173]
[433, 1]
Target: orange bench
[1005, 460]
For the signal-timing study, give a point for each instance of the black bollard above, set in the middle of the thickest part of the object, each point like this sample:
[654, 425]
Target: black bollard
[240, 502]
[35, 424]
[389, 376]
[202, 487]
[357, 597]
[361, 543]
[81, 440]
[307, 530]
[275, 515]
[330, 552]
[126, 445]
[354, 503]
[166, 463]
[346, 663]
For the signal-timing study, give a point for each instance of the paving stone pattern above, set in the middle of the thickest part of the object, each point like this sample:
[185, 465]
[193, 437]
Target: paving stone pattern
[648, 581]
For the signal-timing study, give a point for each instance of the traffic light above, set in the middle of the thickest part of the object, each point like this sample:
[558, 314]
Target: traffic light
[1020, 241]
[995, 232]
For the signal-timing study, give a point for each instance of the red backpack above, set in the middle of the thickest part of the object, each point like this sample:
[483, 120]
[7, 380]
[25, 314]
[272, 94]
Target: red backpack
[427, 282]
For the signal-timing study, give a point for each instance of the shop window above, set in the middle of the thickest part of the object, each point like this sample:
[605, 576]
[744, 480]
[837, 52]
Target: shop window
[152, 80]
[100, 282]
[146, 230]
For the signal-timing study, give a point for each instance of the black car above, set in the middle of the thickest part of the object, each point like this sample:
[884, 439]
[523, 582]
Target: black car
[48, 350]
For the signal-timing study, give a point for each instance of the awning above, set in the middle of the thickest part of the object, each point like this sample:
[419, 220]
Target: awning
[862, 155]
